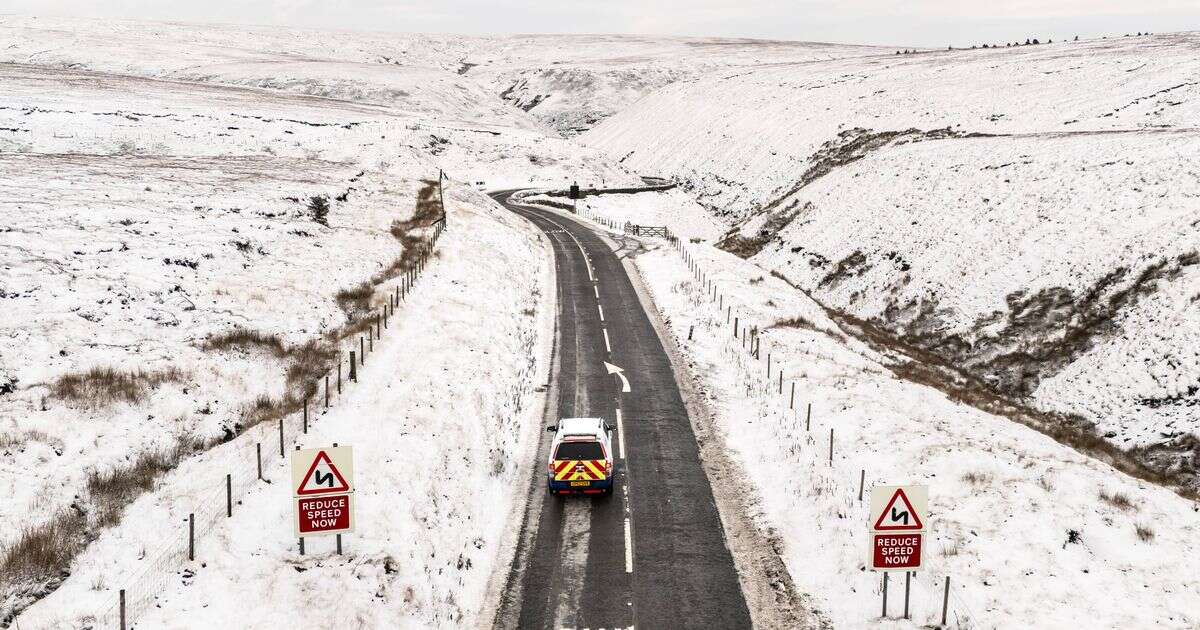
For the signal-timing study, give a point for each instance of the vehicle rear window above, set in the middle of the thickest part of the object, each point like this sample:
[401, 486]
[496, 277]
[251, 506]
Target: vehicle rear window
[579, 450]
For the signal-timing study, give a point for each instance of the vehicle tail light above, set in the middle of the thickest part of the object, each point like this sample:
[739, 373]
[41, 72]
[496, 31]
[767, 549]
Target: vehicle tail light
[608, 468]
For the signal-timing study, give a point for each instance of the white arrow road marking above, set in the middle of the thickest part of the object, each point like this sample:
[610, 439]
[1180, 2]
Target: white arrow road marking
[620, 434]
[606, 345]
[628, 549]
[612, 369]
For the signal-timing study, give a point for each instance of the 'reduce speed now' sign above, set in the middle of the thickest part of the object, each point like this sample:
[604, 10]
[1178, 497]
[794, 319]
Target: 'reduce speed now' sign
[323, 491]
[898, 523]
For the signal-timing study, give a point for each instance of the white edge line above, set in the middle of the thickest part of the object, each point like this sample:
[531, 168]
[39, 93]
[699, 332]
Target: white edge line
[628, 549]
[620, 435]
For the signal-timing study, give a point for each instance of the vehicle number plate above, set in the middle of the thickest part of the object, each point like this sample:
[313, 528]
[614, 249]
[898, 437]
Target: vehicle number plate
[580, 483]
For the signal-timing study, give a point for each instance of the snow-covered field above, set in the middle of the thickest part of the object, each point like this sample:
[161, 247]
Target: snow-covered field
[146, 211]
[1004, 498]
[1029, 214]
[441, 422]
[567, 83]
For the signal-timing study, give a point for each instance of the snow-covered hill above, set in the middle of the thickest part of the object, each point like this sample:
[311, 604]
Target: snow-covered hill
[151, 207]
[1028, 214]
[567, 83]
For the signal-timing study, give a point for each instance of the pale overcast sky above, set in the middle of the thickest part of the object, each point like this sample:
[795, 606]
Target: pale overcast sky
[896, 22]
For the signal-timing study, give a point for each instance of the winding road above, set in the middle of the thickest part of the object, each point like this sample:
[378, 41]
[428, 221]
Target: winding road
[653, 555]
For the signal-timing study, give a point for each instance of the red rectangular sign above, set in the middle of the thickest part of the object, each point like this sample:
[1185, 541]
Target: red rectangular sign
[323, 514]
[900, 552]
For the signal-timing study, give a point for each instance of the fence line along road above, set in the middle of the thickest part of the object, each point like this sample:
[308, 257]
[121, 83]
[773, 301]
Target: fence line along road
[242, 460]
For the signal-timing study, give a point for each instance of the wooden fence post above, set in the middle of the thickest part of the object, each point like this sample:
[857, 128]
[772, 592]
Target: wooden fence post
[192, 536]
[946, 601]
[353, 370]
[258, 454]
[830, 446]
[808, 417]
[306, 416]
[281, 437]
[228, 495]
[792, 402]
[121, 606]
[326, 391]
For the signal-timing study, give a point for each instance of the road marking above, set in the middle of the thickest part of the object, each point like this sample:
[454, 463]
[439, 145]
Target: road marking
[612, 369]
[628, 549]
[597, 290]
[606, 344]
[601, 308]
[620, 434]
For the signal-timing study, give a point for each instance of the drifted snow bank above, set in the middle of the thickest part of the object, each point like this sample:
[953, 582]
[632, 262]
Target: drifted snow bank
[1004, 499]
[445, 412]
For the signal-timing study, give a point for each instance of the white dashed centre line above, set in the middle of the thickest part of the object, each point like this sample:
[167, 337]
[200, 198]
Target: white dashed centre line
[601, 309]
[606, 344]
[620, 435]
[628, 548]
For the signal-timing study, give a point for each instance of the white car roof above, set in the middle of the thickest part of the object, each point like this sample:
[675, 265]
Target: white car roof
[581, 426]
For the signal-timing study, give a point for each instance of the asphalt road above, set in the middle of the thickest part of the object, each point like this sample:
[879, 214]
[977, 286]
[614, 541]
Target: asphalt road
[653, 555]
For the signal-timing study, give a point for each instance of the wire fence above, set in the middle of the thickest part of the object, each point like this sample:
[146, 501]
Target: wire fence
[231, 470]
[809, 442]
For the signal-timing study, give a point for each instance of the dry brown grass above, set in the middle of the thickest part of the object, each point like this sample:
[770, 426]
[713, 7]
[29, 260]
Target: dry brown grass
[976, 478]
[1118, 500]
[1144, 533]
[245, 338]
[110, 491]
[356, 299]
[17, 439]
[102, 386]
[44, 551]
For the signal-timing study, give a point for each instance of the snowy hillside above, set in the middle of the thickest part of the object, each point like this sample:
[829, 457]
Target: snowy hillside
[565, 82]
[169, 284]
[570, 83]
[1028, 215]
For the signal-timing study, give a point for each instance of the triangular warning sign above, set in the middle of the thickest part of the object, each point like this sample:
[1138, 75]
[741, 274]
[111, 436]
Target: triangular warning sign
[899, 518]
[322, 478]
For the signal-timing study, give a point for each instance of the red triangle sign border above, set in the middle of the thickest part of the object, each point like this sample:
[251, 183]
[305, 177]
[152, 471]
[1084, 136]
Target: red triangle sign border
[899, 494]
[323, 456]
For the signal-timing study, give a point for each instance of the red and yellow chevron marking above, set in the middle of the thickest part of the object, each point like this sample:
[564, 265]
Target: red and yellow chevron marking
[579, 470]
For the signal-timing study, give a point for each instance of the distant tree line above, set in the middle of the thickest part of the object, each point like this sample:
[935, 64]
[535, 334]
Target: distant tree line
[1028, 42]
